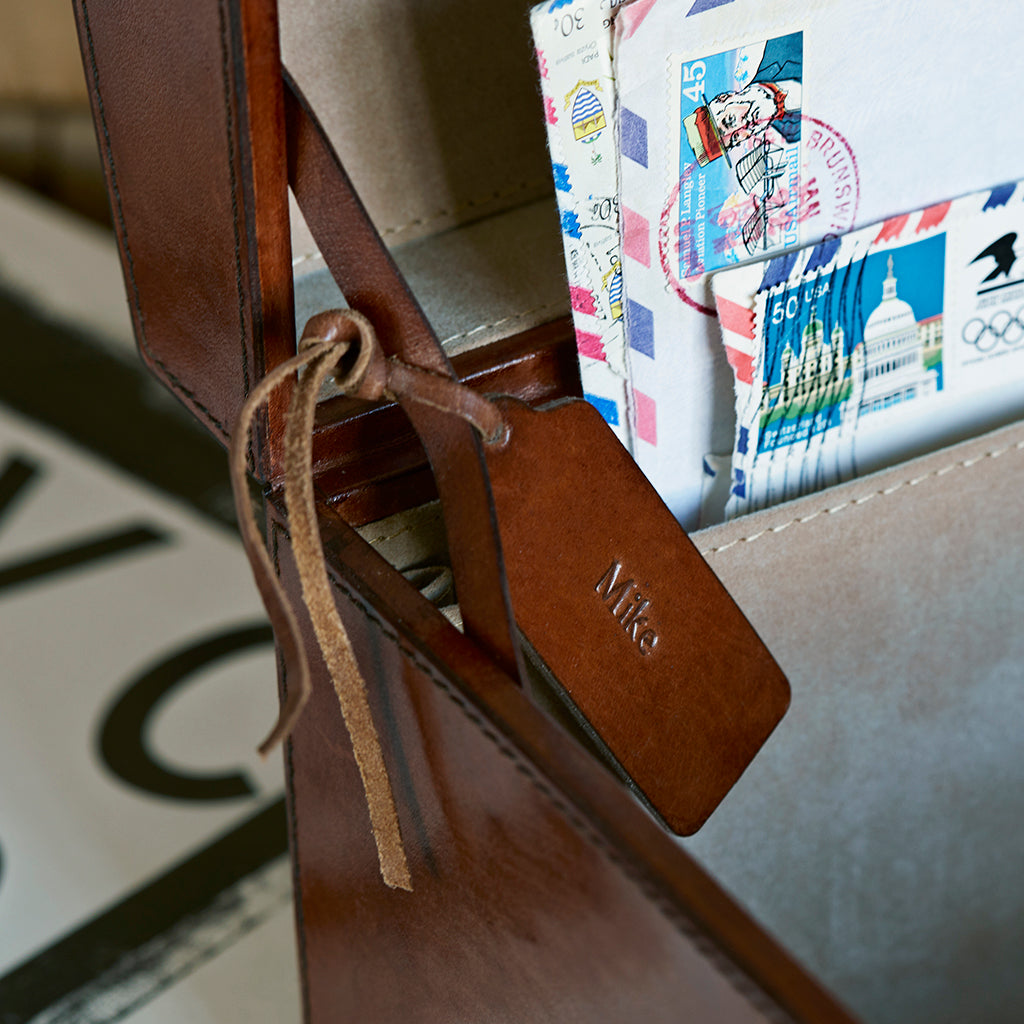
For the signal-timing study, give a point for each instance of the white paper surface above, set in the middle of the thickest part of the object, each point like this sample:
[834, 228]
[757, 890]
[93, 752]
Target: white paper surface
[573, 40]
[891, 118]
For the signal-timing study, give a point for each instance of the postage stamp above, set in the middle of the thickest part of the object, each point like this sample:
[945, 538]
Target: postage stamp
[864, 337]
[829, 199]
[845, 343]
[880, 344]
[573, 40]
[738, 139]
[989, 293]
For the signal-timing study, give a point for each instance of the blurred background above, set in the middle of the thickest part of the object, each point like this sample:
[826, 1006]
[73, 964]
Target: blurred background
[143, 844]
[46, 137]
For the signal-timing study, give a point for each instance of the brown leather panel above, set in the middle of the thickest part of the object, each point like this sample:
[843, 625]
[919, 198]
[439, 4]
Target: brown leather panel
[265, 187]
[167, 84]
[542, 891]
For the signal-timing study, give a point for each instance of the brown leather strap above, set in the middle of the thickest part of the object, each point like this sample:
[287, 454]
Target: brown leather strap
[341, 343]
[373, 378]
[371, 283]
[187, 100]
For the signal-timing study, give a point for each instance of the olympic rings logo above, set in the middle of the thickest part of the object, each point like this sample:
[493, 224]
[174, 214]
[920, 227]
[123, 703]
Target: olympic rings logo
[1001, 328]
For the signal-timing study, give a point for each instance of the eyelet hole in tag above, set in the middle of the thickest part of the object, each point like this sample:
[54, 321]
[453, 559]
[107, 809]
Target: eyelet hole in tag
[649, 649]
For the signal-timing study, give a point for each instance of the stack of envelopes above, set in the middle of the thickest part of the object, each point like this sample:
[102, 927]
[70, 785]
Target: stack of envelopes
[874, 315]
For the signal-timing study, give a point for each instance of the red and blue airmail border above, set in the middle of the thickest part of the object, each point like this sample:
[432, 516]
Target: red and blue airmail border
[739, 123]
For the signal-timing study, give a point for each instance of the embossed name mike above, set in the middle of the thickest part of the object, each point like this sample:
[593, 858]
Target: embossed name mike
[641, 638]
[628, 605]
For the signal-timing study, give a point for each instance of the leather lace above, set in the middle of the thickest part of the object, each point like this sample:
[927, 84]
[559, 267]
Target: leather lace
[326, 344]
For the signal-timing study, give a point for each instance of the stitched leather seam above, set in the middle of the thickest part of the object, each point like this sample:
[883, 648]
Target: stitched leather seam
[704, 946]
[293, 825]
[374, 541]
[701, 943]
[134, 297]
[108, 152]
[230, 128]
[995, 453]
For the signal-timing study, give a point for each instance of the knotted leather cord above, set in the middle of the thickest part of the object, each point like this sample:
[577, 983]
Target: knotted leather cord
[322, 357]
[372, 377]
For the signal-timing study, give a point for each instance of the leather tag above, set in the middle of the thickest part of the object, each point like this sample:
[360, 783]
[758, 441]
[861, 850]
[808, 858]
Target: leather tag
[631, 621]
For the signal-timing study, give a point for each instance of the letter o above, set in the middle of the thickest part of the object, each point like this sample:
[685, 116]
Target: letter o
[122, 740]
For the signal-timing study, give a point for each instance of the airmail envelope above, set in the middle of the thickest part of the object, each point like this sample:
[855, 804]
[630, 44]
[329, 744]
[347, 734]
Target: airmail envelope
[865, 350]
[574, 40]
[748, 127]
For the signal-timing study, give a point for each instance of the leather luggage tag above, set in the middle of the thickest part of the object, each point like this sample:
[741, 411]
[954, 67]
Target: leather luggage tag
[625, 614]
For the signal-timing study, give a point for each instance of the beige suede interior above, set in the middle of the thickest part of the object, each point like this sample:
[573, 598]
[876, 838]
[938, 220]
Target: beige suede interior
[433, 106]
[435, 111]
[476, 283]
[879, 832]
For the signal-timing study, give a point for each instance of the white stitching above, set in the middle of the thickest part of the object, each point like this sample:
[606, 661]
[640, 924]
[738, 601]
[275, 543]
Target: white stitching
[314, 255]
[374, 541]
[625, 863]
[549, 307]
[964, 464]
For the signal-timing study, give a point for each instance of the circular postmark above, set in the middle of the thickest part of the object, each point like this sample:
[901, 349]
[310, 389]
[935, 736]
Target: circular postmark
[829, 181]
[824, 206]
